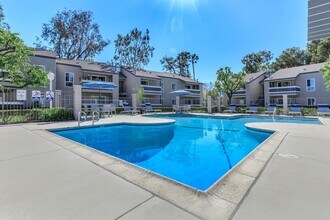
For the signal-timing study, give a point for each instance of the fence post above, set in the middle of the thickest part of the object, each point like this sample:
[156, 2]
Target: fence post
[76, 100]
[3, 105]
[219, 104]
[134, 101]
[58, 100]
[209, 105]
[285, 104]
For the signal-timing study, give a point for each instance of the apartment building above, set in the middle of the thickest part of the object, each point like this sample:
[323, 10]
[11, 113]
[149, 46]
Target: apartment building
[253, 90]
[318, 19]
[45, 59]
[158, 86]
[79, 72]
[304, 85]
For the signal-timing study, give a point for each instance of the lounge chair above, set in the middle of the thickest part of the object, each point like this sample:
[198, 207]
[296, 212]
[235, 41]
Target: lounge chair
[232, 109]
[295, 110]
[270, 109]
[128, 110]
[186, 108]
[253, 109]
[176, 109]
[323, 110]
[109, 109]
[149, 108]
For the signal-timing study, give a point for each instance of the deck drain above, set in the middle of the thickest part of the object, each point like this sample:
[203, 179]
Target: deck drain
[289, 156]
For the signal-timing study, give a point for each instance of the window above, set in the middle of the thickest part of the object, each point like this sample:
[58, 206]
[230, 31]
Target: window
[111, 78]
[173, 87]
[281, 84]
[98, 78]
[69, 79]
[271, 84]
[173, 101]
[311, 101]
[310, 85]
[144, 82]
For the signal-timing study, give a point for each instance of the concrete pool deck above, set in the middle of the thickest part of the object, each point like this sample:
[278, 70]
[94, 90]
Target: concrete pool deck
[42, 179]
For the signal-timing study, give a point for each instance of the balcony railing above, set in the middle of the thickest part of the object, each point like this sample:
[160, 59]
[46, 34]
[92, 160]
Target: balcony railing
[194, 91]
[284, 90]
[241, 92]
[152, 89]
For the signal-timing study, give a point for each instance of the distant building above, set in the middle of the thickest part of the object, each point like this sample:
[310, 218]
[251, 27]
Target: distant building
[318, 19]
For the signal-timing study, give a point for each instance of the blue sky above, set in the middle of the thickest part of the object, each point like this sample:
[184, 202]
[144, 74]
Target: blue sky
[221, 32]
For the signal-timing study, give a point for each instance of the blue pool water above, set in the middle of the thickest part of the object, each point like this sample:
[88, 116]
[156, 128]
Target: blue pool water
[196, 151]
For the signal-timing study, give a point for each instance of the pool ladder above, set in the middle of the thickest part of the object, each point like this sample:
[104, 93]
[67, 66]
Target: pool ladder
[82, 117]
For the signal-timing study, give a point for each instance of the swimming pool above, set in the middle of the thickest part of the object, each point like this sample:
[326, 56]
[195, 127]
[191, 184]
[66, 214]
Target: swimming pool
[195, 151]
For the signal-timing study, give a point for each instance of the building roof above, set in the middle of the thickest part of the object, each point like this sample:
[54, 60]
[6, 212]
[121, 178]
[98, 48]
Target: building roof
[87, 65]
[158, 75]
[253, 76]
[45, 53]
[295, 71]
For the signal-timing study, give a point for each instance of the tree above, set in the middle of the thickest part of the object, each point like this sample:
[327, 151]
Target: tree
[169, 64]
[183, 62]
[193, 59]
[291, 57]
[318, 51]
[3, 24]
[139, 94]
[16, 64]
[229, 82]
[73, 35]
[326, 74]
[133, 49]
[211, 90]
[257, 62]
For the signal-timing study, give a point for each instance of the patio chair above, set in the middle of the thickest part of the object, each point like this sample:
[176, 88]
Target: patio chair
[176, 109]
[253, 109]
[270, 109]
[186, 108]
[295, 109]
[128, 110]
[149, 108]
[323, 110]
[232, 109]
[109, 109]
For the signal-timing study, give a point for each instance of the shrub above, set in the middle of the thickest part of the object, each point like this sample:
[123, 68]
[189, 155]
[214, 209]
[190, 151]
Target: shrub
[309, 111]
[261, 110]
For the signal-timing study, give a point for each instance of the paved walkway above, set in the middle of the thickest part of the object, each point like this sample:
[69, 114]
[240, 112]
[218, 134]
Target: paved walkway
[41, 180]
[295, 183]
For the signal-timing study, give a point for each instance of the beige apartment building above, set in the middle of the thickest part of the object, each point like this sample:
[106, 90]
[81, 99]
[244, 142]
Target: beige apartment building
[68, 73]
[252, 92]
[158, 86]
[304, 85]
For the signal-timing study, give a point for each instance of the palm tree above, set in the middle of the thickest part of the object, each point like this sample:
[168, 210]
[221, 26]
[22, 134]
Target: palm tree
[193, 59]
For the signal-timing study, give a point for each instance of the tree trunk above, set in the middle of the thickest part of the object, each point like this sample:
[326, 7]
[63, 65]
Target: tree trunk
[193, 66]
[229, 99]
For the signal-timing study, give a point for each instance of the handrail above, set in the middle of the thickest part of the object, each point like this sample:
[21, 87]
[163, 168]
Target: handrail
[80, 116]
[96, 115]
[274, 112]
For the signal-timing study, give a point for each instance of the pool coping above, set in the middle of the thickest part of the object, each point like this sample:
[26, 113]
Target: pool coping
[219, 201]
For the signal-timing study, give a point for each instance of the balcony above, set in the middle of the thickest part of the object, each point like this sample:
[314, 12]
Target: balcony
[240, 93]
[284, 90]
[152, 89]
[196, 92]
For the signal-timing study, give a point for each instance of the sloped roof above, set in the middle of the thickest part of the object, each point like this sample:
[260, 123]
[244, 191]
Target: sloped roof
[295, 71]
[87, 65]
[253, 76]
[158, 75]
[45, 53]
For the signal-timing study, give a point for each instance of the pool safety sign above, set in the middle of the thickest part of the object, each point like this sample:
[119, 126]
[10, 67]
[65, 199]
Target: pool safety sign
[49, 96]
[20, 95]
[36, 95]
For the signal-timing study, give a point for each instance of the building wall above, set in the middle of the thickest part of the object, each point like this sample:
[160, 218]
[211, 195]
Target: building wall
[321, 94]
[60, 76]
[167, 88]
[318, 19]
[131, 82]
